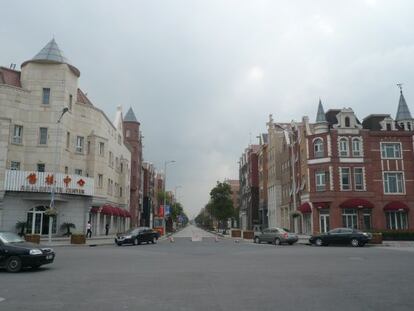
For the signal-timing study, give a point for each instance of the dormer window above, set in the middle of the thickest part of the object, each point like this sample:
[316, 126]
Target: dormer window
[343, 147]
[347, 122]
[409, 126]
[389, 128]
[402, 126]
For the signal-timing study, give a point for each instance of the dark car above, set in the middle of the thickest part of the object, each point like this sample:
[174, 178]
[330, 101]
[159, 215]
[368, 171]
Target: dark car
[16, 253]
[137, 236]
[341, 236]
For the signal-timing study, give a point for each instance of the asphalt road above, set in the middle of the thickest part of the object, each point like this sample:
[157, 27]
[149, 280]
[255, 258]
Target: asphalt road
[210, 275]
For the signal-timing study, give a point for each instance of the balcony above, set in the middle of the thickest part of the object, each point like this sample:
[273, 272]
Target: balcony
[32, 181]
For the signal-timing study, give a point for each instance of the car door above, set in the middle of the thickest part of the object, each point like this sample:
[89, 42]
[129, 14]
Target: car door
[333, 236]
[2, 254]
[265, 235]
[345, 236]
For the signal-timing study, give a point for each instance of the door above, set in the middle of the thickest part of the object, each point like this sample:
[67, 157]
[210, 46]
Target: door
[324, 222]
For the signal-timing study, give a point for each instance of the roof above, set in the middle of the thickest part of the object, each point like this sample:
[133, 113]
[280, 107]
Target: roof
[372, 122]
[330, 116]
[403, 113]
[81, 98]
[320, 116]
[10, 77]
[52, 54]
[130, 116]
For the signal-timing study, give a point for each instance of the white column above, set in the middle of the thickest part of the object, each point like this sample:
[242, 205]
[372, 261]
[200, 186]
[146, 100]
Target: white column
[98, 223]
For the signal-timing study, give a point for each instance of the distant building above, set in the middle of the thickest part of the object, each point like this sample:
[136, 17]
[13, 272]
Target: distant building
[263, 180]
[235, 197]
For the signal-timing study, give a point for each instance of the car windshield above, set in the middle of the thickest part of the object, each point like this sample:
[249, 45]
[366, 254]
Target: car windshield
[10, 237]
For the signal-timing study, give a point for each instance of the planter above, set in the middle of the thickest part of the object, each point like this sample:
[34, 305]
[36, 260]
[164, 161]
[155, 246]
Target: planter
[77, 239]
[376, 238]
[33, 238]
[248, 234]
[235, 233]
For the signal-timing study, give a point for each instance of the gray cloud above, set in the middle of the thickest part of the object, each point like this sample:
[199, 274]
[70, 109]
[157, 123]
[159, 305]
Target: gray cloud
[201, 76]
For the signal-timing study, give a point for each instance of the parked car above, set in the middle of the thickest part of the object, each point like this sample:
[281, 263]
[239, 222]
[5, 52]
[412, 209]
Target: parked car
[16, 253]
[137, 236]
[276, 236]
[341, 236]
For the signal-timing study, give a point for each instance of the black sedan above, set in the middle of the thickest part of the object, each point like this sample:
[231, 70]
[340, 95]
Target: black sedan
[341, 236]
[16, 253]
[137, 236]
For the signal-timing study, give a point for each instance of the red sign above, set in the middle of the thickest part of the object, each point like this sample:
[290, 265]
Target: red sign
[81, 182]
[32, 178]
[67, 180]
[49, 179]
[161, 211]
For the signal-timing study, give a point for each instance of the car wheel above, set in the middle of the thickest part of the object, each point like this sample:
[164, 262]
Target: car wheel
[277, 241]
[14, 264]
[318, 242]
[257, 240]
[355, 242]
[154, 240]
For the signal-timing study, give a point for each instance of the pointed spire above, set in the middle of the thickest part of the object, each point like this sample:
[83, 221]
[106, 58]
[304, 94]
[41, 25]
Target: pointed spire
[320, 116]
[403, 113]
[130, 116]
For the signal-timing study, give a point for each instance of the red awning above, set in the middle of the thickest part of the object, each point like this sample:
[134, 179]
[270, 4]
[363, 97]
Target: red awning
[396, 206]
[305, 208]
[356, 203]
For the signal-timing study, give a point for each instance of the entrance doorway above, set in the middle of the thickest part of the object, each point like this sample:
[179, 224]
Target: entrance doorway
[324, 220]
[38, 221]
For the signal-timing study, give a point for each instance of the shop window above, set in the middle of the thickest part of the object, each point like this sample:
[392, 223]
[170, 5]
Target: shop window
[397, 220]
[349, 218]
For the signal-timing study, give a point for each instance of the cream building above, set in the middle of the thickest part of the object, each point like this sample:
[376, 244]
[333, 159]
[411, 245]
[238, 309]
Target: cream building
[82, 158]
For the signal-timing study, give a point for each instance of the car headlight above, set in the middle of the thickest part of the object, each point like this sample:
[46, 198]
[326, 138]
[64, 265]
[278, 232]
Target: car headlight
[128, 236]
[35, 251]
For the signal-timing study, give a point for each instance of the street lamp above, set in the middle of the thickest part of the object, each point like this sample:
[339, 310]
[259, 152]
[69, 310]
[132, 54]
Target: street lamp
[165, 186]
[52, 209]
[292, 162]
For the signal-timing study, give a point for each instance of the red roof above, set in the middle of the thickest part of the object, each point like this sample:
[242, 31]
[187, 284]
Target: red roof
[108, 209]
[396, 206]
[356, 203]
[305, 208]
[10, 77]
[81, 98]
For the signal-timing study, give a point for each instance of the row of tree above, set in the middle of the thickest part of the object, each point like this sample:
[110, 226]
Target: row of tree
[219, 209]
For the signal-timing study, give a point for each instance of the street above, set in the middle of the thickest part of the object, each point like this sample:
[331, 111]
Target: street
[210, 275]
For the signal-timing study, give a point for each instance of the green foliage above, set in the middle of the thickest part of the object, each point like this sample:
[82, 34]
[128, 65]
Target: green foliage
[221, 203]
[396, 235]
[67, 226]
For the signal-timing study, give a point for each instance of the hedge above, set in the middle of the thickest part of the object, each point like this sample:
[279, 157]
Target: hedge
[397, 235]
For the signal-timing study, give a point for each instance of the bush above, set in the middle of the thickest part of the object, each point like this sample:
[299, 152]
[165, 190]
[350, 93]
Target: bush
[397, 235]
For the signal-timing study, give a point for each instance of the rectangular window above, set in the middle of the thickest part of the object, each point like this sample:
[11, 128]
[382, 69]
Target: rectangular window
[66, 170]
[345, 178]
[18, 134]
[343, 147]
[101, 149]
[79, 144]
[40, 167]
[100, 180]
[46, 96]
[394, 182]
[359, 178]
[70, 102]
[367, 219]
[120, 192]
[88, 147]
[320, 181]
[391, 150]
[15, 166]
[67, 140]
[397, 220]
[349, 218]
[43, 136]
[78, 172]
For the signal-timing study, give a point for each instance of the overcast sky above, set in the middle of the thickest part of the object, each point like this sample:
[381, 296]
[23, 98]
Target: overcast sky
[202, 75]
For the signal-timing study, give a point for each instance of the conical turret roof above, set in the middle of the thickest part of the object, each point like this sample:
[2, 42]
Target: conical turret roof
[52, 54]
[130, 116]
[320, 116]
[403, 113]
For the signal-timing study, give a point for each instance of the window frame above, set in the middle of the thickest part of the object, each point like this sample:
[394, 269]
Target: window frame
[15, 166]
[362, 178]
[80, 144]
[359, 143]
[392, 224]
[17, 139]
[320, 180]
[349, 179]
[343, 152]
[46, 92]
[386, 182]
[318, 144]
[384, 150]
[45, 137]
[349, 216]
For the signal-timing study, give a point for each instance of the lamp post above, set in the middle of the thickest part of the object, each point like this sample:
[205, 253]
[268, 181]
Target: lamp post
[175, 192]
[292, 162]
[52, 209]
[165, 186]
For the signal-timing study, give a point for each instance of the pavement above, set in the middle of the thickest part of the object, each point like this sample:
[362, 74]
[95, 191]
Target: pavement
[215, 274]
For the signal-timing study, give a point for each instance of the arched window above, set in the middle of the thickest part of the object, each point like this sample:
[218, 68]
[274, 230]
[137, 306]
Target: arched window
[318, 149]
[356, 147]
[347, 122]
[343, 147]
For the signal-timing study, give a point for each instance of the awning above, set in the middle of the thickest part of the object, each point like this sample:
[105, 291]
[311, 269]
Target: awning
[396, 206]
[107, 209]
[356, 203]
[305, 208]
[94, 210]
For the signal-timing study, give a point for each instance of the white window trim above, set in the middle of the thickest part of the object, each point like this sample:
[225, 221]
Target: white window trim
[403, 183]
[319, 173]
[340, 178]
[363, 178]
[80, 148]
[392, 142]
[343, 138]
[361, 147]
[322, 152]
[40, 136]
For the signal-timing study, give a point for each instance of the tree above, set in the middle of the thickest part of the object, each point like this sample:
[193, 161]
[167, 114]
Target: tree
[67, 226]
[221, 203]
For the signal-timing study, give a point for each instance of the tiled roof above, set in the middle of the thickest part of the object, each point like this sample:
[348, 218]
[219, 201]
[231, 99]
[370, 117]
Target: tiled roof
[403, 113]
[130, 116]
[81, 98]
[331, 116]
[10, 77]
[372, 122]
[320, 116]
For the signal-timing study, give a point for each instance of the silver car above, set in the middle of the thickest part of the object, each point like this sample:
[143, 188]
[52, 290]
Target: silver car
[276, 236]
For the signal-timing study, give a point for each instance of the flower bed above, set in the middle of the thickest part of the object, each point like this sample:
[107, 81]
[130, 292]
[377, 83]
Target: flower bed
[77, 238]
[33, 238]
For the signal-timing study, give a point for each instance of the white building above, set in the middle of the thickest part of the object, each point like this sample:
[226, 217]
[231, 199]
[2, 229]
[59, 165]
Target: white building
[84, 153]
